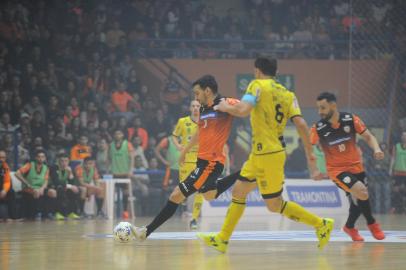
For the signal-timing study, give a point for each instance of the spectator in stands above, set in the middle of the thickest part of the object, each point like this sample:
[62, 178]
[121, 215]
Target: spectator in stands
[53, 110]
[68, 194]
[38, 127]
[90, 184]
[5, 124]
[121, 154]
[398, 172]
[35, 106]
[104, 130]
[81, 150]
[121, 100]
[102, 156]
[137, 130]
[113, 36]
[161, 125]
[34, 177]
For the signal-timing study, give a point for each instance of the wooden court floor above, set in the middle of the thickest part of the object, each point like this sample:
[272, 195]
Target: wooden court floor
[88, 245]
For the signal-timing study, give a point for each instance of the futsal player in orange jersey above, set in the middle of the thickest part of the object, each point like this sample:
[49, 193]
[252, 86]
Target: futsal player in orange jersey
[213, 131]
[337, 132]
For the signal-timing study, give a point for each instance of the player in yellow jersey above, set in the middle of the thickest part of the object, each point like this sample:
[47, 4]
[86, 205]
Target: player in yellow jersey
[184, 130]
[270, 105]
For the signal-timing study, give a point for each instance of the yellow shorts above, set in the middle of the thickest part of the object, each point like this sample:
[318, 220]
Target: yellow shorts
[185, 170]
[268, 171]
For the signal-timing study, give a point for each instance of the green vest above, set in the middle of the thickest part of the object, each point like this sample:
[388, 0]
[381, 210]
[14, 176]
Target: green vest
[88, 177]
[320, 159]
[172, 155]
[120, 158]
[400, 159]
[63, 176]
[36, 179]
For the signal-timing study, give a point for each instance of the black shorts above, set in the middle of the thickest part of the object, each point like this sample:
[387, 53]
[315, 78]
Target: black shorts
[203, 178]
[347, 180]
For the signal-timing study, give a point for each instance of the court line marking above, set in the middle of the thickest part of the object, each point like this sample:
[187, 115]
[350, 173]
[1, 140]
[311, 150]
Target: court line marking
[301, 236]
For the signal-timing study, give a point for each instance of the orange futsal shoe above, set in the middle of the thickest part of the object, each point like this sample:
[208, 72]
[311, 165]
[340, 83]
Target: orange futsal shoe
[353, 233]
[376, 231]
[126, 215]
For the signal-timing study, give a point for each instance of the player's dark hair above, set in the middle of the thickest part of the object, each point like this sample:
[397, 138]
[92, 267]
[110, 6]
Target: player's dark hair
[62, 155]
[39, 151]
[207, 81]
[329, 97]
[268, 66]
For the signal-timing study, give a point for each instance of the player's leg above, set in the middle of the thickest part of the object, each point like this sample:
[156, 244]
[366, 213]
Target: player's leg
[241, 189]
[356, 184]
[100, 194]
[179, 194]
[61, 203]
[270, 184]
[353, 215]
[50, 202]
[184, 172]
[83, 196]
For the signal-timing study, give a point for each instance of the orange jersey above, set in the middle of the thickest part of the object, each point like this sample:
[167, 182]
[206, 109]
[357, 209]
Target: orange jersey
[339, 143]
[214, 129]
[5, 183]
[79, 152]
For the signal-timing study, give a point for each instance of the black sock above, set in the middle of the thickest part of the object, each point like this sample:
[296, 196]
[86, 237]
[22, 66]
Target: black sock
[353, 215]
[365, 208]
[99, 204]
[82, 206]
[224, 183]
[167, 212]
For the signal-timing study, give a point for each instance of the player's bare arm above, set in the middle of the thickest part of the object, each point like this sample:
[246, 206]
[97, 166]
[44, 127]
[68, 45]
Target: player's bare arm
[303, 130]
[241, 109]
[373, 143]
[193, 141]
[176, 143]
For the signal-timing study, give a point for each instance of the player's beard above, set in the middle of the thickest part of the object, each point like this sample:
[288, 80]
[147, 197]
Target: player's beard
[327, 117]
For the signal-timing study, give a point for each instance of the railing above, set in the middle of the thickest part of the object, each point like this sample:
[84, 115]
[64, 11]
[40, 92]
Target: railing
[220, 48]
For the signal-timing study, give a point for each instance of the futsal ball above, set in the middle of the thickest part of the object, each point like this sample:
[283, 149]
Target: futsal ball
[123, 232]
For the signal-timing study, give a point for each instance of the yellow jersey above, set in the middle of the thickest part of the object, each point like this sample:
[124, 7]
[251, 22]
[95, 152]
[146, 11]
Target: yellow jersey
[184, 130]
[273, 106]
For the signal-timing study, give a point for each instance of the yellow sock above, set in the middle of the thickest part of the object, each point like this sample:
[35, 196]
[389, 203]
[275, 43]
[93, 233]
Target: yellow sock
[297, 213]
[234, 213]
[197, 205]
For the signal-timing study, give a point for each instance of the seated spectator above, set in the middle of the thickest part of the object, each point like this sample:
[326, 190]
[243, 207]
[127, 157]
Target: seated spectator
[5, 124]
[90, 184]
[102, 156]
[35, 106]
[137, 130]
[34, 177]
[38, 127]
[81, 150]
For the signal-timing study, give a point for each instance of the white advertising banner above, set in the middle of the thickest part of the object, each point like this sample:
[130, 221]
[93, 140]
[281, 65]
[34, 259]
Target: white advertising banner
[320, 197]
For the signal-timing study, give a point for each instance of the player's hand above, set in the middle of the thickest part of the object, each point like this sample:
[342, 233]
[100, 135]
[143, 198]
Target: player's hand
[379, 155]
[3, 194]
[317, 175]
[222, 106]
